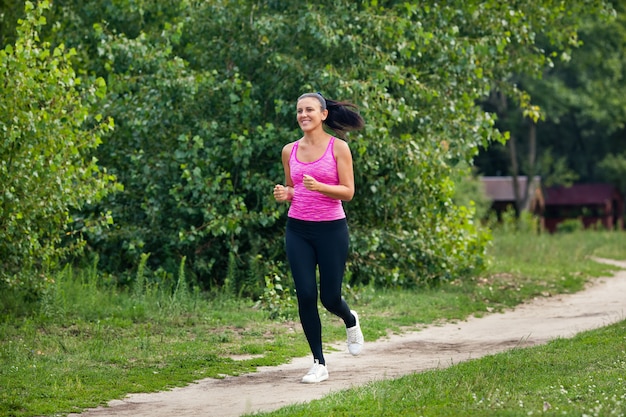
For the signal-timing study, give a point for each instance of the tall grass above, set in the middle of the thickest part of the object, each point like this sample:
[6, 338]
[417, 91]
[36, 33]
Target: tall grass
[87, 295]
[59, 353]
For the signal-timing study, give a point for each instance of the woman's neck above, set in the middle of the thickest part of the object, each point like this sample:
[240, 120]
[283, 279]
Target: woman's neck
[315, 137]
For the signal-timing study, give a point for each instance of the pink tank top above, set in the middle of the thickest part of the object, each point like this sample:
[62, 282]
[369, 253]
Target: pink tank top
[311, 205]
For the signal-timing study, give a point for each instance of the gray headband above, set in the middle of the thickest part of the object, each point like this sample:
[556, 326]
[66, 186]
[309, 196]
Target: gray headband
[317, 95]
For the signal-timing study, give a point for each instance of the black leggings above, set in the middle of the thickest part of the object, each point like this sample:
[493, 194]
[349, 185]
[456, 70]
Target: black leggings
[324, 245]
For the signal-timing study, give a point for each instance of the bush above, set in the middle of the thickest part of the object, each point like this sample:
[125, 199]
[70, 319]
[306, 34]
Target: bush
[47, 135]
[203, 99]
[570, 226]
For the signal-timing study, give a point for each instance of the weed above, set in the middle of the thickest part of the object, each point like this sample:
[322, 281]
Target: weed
[276, 298]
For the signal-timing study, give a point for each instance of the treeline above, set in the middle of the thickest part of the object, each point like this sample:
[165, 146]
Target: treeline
[151, 130]
[576, 132]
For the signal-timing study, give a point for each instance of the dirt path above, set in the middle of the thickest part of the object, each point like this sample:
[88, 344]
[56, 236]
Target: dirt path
[270, 388]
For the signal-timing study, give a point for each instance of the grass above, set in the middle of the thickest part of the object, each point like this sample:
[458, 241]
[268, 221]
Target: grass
[61, 354]
[549, 380]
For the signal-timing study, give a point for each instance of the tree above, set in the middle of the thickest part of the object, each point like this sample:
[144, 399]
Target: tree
[47, 134]
[419, 70]
[580, 99]
[10, 12]
[204, 105]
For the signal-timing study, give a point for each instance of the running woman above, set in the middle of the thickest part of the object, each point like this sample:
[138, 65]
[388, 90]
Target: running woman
[318, 177]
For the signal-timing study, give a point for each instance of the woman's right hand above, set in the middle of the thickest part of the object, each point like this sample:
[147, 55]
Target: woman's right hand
[281, 193]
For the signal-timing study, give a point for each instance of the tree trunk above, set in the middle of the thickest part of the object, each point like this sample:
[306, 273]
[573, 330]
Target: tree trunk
[532, 157]
[514, 173]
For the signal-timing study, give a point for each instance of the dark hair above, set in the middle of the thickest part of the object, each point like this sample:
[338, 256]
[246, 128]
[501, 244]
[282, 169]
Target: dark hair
[343, 116]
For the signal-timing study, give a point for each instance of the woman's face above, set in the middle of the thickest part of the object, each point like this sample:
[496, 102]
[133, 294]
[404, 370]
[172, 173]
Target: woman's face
[310, 114]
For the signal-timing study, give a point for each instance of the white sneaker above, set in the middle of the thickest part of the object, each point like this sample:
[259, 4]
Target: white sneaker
[355, 336]
[317, 373]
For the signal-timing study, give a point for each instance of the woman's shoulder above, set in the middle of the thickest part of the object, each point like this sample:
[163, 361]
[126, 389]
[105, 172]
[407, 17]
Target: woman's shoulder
[340, 145]
[288, 147]
[286, 152]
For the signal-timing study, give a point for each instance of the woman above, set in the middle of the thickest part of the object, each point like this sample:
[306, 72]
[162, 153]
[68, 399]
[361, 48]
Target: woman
[318, 177]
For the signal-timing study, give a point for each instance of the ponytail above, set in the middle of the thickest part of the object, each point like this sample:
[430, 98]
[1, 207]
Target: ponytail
[343, 116]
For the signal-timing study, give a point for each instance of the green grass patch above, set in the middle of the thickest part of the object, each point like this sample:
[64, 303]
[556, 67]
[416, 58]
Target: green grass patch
[60, 353]
[550, 380]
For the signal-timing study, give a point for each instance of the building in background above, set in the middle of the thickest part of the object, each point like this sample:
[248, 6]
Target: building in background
[592, 204]
[501, 192]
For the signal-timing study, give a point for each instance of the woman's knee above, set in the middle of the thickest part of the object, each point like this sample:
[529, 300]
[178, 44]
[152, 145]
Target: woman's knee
[306, 299]
[331, 302]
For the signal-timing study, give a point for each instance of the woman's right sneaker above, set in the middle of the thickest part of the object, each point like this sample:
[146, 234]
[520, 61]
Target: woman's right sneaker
[317, 373]
[355, 336]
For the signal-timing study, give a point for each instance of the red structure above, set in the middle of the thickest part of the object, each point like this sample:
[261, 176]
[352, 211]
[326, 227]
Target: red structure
[593, 204]
[501, 192]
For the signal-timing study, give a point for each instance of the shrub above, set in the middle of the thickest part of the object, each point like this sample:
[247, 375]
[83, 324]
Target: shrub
[47, 135]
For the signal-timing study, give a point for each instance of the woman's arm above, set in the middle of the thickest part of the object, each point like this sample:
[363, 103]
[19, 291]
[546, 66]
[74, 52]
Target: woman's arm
[345, 189]
[285, 192]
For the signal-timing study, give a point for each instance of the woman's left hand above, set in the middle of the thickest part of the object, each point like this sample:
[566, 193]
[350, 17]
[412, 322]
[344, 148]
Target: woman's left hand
[310, 183]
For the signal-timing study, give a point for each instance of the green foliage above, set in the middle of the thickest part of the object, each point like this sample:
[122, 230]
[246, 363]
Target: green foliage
[613, 171]
[581, 96]
[469, 191]
[181, 290]
[417, 85]
[511, 223]
[555, 171]
[203, 97]
[10, 12]
[139, 286]
[47, 135]
[569, 226]
[195, 172]
[276, 298]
